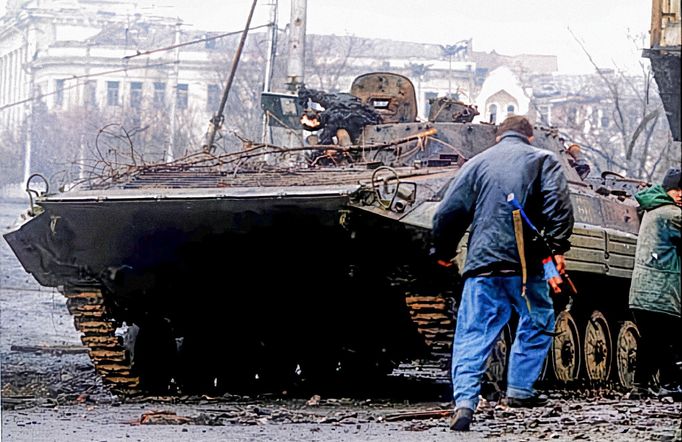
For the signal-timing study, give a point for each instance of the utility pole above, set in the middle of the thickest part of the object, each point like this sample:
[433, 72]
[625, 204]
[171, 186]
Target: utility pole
[470, 68]
[174, 95]
[272, 44]
[296, 65]
[449, 75]
[449, 51]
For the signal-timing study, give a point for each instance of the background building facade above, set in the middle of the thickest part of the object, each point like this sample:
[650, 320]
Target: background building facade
[81, 78]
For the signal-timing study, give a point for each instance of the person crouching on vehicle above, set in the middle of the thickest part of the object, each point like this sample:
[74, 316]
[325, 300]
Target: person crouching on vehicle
[655, 288]
[577, 161]
[495, 270]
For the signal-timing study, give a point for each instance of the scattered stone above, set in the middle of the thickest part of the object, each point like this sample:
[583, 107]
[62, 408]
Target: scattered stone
[162, 418]
[314, 401]
[418, 426]
[553, 412]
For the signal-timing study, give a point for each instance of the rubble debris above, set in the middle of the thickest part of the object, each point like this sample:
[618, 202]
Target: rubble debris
[53, 349]
[163, 417]
[313, 401]
[413, 415]
[445, 109]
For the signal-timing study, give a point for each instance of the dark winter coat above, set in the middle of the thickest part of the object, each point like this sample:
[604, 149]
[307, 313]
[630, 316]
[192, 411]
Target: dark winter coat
[478, 197]
[655, 282]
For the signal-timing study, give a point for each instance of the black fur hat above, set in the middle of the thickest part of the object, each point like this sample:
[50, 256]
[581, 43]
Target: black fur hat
[671, 180]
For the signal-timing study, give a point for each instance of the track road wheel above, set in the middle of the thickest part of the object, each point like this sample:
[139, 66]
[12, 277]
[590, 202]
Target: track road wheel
[626, 353]
[597, 347]
[566, 348]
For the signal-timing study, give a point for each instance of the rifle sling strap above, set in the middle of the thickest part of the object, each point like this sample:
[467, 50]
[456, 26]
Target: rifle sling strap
[518, 233]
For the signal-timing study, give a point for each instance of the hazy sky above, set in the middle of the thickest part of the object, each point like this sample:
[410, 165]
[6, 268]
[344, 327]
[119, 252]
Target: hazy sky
[509, 27]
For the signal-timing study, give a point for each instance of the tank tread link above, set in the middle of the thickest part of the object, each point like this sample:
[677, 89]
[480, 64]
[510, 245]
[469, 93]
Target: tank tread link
[111, 359]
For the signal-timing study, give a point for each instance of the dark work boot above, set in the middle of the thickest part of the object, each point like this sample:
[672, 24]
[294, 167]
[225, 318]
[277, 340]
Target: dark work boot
[539, 400]
[462, 419]
[639, 392]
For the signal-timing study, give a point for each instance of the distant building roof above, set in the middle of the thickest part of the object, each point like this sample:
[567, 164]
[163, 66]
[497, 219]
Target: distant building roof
[141, 35]
[541, 64]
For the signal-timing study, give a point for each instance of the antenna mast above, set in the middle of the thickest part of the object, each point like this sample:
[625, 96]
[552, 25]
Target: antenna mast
[218, 117]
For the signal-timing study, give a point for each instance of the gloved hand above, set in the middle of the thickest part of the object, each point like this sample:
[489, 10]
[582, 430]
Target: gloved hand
[447, 264]
[440, 259]
[560, 264]
[552, 275]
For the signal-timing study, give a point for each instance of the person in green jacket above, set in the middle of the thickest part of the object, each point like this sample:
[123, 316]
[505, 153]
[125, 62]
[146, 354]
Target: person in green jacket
[655, 287]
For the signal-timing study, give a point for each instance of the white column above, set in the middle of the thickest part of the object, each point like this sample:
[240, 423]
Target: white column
[3, 80]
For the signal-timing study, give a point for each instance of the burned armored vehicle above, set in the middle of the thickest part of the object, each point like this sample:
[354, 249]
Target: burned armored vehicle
[239, 271]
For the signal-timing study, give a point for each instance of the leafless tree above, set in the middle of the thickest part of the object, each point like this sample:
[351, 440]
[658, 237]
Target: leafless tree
[11, 154]
[419, 71]
[328, 64]
[640, 143]
[616, 117]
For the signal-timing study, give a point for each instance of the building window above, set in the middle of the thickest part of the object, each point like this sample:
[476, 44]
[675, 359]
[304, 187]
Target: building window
[572, 117]
[511, 109]
[594, 116]
[492, 110]
[112, 93]
[90, 93]
[135, 94]
[213, 100]
[59, 93]
[181, 98]
[159, 94]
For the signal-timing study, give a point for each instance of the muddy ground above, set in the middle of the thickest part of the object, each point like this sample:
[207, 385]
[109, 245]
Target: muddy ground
[51, 392]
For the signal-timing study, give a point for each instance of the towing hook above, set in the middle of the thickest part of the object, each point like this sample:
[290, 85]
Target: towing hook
[35, 192]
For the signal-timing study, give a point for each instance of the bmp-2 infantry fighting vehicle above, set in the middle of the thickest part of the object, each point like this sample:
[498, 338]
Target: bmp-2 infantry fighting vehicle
[239, 271]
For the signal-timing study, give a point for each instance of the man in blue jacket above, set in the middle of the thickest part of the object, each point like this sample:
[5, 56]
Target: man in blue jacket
[493, 286]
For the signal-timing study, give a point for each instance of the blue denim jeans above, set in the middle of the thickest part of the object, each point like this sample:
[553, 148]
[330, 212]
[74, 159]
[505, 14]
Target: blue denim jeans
[486, 307]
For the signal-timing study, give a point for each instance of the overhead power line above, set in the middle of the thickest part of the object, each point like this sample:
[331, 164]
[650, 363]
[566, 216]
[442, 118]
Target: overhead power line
[114, 71]
[201, 40]
[127, 68]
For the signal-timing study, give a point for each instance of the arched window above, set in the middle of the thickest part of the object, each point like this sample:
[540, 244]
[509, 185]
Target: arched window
[511, 109]
[492, 110]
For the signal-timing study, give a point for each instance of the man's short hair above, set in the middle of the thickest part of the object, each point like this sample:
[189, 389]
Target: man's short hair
[672, 179]
[573, 149]
[517, 123]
